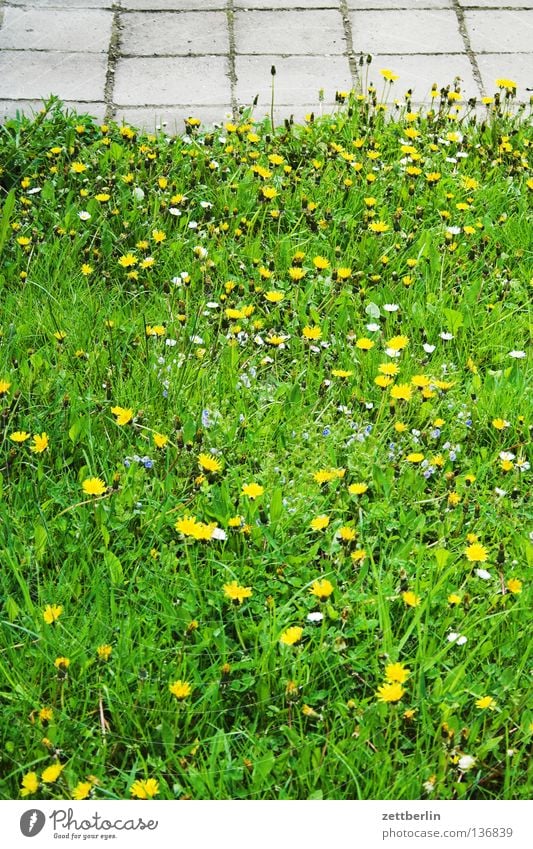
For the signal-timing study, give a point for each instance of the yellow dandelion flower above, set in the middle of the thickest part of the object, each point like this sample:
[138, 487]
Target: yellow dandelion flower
[357, 488]
[82, 790]
[291, 636]
[296, 273]
[4, 387]
[94, 486]
[397, 672]
[209, 463]
[415, 457]
[52, 773]
[29, 784]
[398, 343]
[312, 332]
[180, 689]
[274, 297]
[160, 440]
[19, 436]
[401, 392]
[321, 589]
[503, 82]
[127, 260]
[390, 692]
[40, 443]
[388, 75]
[252, 490]
[378, 227]
[123, 415]
[144, 789]
[514, 585]
[52, 612]
[343, 273]
[235, 593]
[319, 523]
[389, 369]
[476, 553]
[454, 598]
[104, 651]
[358, 555]
[155, 330]
[411, 599]
[46, 714]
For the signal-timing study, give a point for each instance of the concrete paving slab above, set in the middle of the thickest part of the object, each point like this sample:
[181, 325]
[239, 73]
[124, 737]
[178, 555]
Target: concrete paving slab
[503, 31]
[496, 4]
[87, 30]
[173, 5]
[399, 4]
[168, 34]
[62, 4]
[171, 81]
[299, 112]
[418, 73]
[9, 108]
[517, 67]
[406, 31]
[72, 76]
[289, 33]
[298, 78]
[286, 4]
[171, 119]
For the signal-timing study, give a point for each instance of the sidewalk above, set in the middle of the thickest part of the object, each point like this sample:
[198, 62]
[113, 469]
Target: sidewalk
[151, 62]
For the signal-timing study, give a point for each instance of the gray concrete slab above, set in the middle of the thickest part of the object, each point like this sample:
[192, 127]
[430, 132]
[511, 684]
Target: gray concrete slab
[298, 78]
[168, 34]
[72, 30]
[419, 73]
[496, 4]
[173, 5]
[286, 4]
[516, 67]
[406, 31]
[62, 4]
[503, 31]
[36, 75]
[172, 118]
[308, 33]
[171, 81]
[32, 107]
[399, 4]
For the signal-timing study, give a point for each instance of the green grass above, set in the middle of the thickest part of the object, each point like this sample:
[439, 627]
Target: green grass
[264, 719]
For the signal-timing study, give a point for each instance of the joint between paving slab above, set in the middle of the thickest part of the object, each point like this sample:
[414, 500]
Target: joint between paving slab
[232, 50]
[459, 12]
[348, 37]
[112, 60]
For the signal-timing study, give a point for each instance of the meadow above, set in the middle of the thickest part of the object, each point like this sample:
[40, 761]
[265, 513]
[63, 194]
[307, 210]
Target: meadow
[264, 454]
